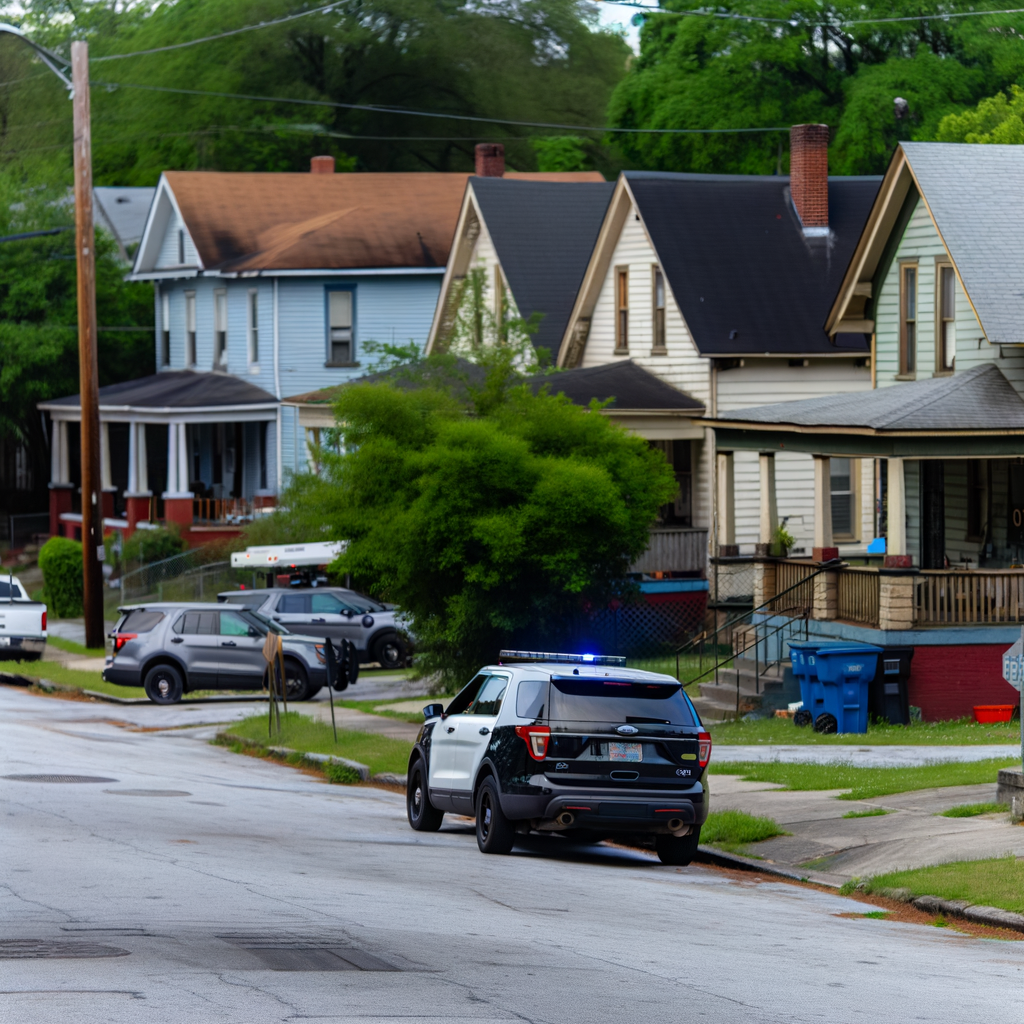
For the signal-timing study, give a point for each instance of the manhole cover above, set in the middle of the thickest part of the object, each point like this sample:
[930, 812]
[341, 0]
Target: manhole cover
[59, 778]
[40, 949]
[289, 954]
[147, 792]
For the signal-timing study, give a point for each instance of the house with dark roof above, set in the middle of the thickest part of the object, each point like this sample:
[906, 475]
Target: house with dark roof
[933, 281]
[266, 285]
[720, 284]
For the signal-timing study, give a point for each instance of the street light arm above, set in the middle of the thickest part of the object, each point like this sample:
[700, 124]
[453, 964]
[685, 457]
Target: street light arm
[50, 59]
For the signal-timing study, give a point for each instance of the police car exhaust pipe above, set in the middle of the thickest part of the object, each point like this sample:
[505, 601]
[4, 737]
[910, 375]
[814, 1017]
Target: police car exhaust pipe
[675, 824]
[565, 818]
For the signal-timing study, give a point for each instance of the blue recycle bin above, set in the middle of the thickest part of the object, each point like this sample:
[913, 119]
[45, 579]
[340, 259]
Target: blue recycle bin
[803, 657]
[844, 671]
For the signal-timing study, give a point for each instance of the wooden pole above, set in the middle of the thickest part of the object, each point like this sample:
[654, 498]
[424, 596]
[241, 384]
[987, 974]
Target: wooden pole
[85, 249]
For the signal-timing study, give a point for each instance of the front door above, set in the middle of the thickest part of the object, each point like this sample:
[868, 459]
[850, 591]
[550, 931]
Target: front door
[197, 641]
[241, 654]
[472, 739]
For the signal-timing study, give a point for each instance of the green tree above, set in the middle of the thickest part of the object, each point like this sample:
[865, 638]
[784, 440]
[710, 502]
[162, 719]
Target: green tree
[492, 519]
[996, 119]
[527, 60]
[807, 64]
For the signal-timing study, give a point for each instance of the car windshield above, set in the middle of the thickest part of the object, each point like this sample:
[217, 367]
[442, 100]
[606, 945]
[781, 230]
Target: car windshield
[262, 623]
[361, 604]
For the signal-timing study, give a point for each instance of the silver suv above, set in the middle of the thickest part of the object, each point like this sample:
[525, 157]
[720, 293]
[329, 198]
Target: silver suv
[174, 648]
[336, 613]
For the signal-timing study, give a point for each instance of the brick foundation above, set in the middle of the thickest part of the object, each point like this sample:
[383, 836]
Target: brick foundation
[946, 682]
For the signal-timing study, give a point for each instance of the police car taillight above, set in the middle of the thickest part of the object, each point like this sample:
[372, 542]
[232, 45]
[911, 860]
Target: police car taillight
[120, 639]
[536, 738]
[704, 749]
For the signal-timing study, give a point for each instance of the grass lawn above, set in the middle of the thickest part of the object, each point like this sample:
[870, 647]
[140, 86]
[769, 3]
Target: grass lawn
[379, 753]
[991, 883]
[56, 672]
[973, 810]
[369, 705]
[864, 783]
[782, 731]
[72, 648]
[733, 831]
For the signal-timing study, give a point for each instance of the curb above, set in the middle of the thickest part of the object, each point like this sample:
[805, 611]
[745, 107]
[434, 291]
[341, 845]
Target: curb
[51, 687]
[319, 759]
[709, 855]
[992, 916]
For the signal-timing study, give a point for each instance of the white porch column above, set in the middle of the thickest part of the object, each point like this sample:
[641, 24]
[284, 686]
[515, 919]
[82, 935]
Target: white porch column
[182, 458]
[142, 465]
[133, 457]
[55, 452]
[824, 548]
[769, 507]
[725, 502]
[105, 477]
[896, 514]
[172, 459]
[60, 436]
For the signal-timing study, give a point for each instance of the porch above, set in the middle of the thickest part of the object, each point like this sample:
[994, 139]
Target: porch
[194, 449]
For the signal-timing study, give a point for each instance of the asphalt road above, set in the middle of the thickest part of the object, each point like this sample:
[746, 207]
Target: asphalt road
[211, 874]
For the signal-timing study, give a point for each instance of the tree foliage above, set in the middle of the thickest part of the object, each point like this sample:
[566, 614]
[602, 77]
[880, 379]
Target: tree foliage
[528, 60]
[996, 119]
[805, 66]
[492, 519]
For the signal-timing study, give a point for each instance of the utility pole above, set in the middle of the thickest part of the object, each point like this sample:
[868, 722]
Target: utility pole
[88, 367]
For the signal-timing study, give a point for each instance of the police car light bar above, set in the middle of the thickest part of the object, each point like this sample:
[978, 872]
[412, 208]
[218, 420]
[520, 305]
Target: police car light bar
[568, 659]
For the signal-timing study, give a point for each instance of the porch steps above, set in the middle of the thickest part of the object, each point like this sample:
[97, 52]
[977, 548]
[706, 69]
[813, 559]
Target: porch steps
[775, 689]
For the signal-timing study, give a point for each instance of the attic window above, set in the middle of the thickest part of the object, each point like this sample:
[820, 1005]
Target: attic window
[908, 318]
[181, 247]
[220, 329]
[621, 310]
[658, 345]
[190, 329]
[946, 309]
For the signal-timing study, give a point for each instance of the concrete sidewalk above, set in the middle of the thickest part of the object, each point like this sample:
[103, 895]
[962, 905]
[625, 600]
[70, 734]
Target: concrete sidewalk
[825, 846]
[866, 756]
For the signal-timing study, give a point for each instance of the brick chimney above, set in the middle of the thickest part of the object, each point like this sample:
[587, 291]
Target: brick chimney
[490, 160]
[321, 165]
[808, 175]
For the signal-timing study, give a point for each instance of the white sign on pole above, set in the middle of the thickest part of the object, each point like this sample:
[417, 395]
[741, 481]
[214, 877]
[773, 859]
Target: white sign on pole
[1013, 663]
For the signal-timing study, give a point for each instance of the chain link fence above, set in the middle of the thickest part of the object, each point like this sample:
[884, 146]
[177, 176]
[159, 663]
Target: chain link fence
[182, 577]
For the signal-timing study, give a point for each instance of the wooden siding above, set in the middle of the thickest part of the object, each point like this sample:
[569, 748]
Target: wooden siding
[168, 254]
[674, 550]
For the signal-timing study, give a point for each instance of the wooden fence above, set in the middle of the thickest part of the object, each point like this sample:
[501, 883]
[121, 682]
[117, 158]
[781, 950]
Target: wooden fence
[857, 597]
[965, 598]
[794, 574]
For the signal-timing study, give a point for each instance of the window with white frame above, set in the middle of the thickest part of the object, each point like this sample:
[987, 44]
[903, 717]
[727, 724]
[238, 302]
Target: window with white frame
[254, 327]
[165, 329]
[946, 308]
[844, 498]
[220, 329]
[658, 342]
[341, 342]
[190, 328]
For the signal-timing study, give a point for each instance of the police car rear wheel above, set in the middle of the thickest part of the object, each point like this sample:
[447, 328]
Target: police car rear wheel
[677, 850]
[423, 816]
[494, 832]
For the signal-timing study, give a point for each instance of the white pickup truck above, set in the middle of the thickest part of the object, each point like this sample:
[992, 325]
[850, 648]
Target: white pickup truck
[22, 622]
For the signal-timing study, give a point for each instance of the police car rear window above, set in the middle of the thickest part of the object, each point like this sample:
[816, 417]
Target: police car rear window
[140, 621]
[586, 699]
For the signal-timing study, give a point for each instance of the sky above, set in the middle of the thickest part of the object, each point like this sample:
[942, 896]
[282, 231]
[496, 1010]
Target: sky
[620, 16]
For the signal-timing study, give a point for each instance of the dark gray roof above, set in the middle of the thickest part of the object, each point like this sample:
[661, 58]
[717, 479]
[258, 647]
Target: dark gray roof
[977, 399]
[544, 233]
[123, 211]
[629, 385]
[744, 276]
[175, 389]
[976, 195]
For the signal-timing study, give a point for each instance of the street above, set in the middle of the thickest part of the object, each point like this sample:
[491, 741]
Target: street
[209, 886]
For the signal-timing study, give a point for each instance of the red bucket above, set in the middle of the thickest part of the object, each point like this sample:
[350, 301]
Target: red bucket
[986, 714]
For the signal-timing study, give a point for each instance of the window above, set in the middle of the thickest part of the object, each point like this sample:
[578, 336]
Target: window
[659, 311]
[220, 329]
[978, 486]
[530, 698]
[844, 499]
[254, 327]
[181, 247]
[198, 623]
[491, 696]
[232, 624]
[679, 456]
[190, 328]
[165, 329]
[325, 604]
[140, 622]
[294, 604]
[945, 342]
[340, 345]
[908, 318]
[621, 310]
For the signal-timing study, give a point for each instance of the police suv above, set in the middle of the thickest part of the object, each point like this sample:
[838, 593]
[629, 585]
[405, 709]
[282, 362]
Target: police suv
[577, 744]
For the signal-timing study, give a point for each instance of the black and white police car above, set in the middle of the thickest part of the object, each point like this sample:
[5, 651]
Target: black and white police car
[577, 744]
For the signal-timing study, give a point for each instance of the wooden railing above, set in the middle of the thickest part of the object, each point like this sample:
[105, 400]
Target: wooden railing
[965, 598]
[674, 549]
[857, 597]
[790, 574]
[220, 510]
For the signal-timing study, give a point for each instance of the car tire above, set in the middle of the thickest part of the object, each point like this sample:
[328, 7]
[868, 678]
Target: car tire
[677, 851]
[802, 717]
[494, 832]
[422, 814]
[164, 684]
[297, 685]
[389, 652]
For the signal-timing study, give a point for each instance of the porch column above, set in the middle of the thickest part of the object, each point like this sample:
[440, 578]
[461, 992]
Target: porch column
[726, 505]
[769, 507]
[177, 497]
[106, 484]
[136, 498]
[824, 549]
[60, 476]
[896, 556]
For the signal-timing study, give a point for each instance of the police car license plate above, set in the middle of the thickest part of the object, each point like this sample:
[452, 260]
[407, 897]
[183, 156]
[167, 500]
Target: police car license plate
[625, 751]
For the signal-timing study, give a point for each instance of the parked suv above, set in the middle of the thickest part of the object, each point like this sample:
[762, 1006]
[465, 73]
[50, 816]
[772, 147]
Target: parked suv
[333, 612]
[565, 743]
[172, 648]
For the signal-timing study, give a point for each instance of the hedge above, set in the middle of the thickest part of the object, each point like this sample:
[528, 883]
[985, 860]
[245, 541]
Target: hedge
[61, 562]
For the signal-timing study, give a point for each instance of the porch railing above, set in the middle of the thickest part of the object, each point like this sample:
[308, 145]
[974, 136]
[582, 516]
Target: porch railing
[962, 598]
[221, 510]
[674, 549]
[857, 599]
[795, 582]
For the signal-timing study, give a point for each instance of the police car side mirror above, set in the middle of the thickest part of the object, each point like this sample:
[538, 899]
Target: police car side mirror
[433, 711]
[348, 613]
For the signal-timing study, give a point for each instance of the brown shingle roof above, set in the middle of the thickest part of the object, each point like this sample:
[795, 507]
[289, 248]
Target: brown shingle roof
[252, 221]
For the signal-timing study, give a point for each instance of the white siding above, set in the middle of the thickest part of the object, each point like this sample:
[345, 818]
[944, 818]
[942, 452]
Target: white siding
[168, 255]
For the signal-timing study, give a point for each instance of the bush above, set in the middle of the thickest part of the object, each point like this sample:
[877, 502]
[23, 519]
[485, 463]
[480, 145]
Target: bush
[146, 546]
[60, 560]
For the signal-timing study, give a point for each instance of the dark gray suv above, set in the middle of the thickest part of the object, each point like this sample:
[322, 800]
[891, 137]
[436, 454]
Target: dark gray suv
[333, 612]
[174, 648]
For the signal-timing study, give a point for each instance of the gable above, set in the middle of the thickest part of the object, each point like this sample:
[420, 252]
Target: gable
[166, 243]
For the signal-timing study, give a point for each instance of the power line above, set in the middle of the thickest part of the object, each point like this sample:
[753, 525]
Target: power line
[425, 113]
[220, 35]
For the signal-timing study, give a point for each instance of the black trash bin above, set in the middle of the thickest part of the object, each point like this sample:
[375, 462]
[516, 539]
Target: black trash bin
[888, 694]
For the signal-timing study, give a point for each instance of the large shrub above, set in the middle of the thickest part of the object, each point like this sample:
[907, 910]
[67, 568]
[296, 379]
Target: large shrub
[61, 562]
[146, 546]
